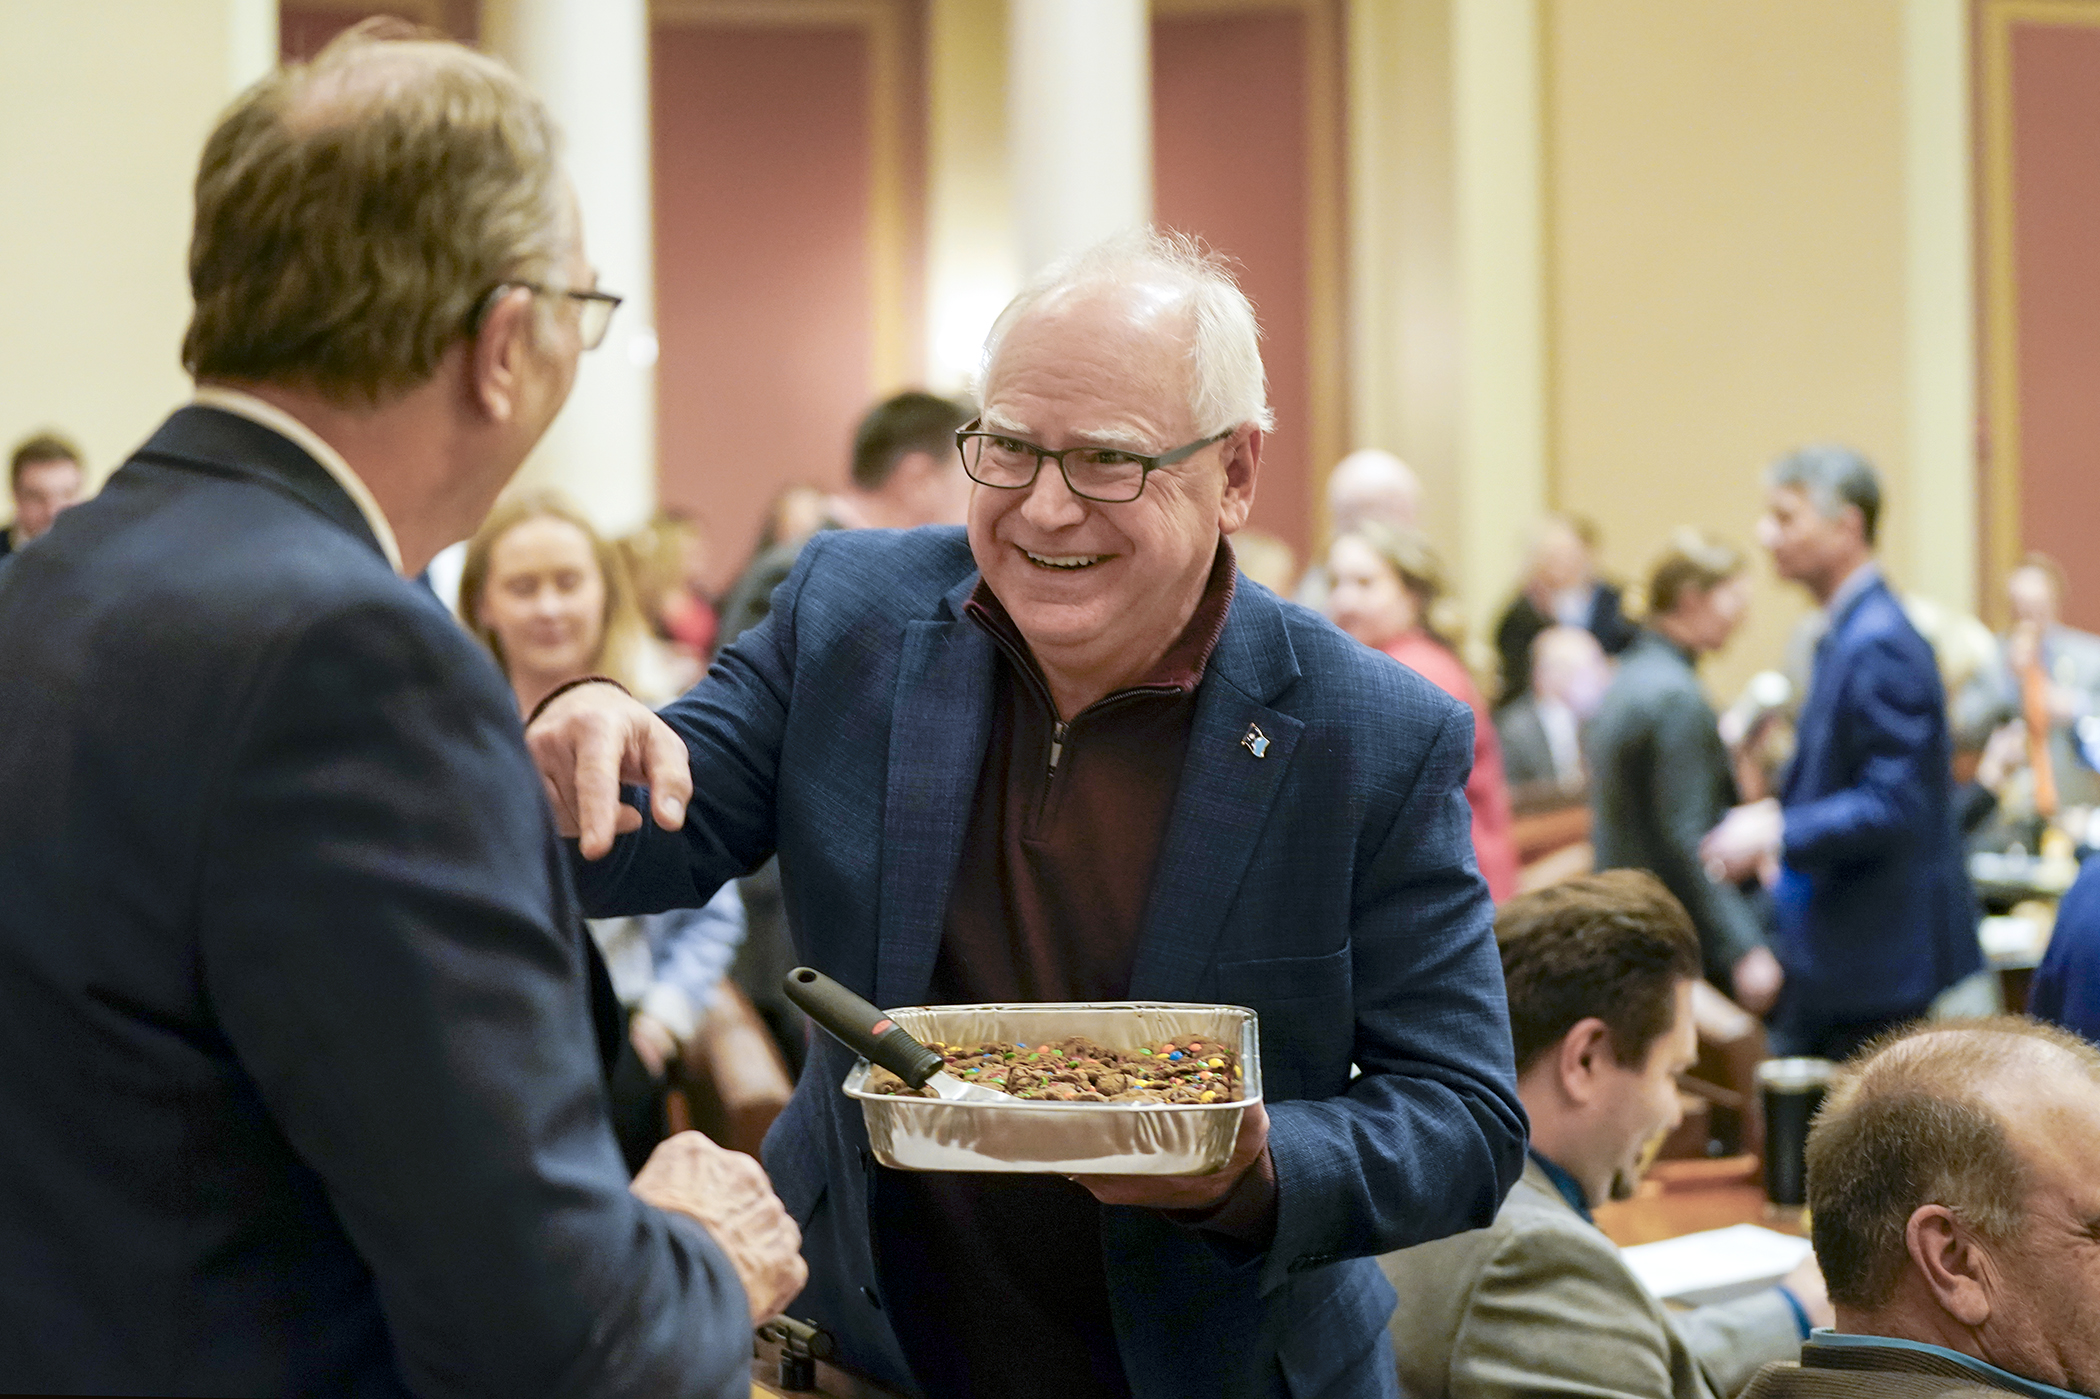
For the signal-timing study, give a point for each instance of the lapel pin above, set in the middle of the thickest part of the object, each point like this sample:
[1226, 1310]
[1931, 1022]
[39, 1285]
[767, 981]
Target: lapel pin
[1256, 742]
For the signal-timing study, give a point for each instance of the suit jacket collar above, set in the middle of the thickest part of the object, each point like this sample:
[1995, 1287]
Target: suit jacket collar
[1836, 1350]
[227, 445]
[1239, 753]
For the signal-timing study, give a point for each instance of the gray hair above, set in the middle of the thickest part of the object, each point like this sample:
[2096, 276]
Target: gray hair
[1832, 477]
[1227, 385]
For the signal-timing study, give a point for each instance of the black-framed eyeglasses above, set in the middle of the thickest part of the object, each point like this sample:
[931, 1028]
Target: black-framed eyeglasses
[1107, 474]
[594, 308]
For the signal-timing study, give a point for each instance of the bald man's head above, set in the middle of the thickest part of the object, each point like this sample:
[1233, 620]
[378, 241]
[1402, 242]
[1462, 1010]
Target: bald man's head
[1954, 1200]
[1373, 487]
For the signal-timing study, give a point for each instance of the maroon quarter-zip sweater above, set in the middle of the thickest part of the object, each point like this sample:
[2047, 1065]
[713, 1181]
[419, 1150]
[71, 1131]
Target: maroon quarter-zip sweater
[995, 1284]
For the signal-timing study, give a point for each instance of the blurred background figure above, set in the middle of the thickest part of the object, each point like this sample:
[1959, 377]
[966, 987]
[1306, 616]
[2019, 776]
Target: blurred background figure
[2049, 676]
[1874, 912]
[552, 602]
[1266, 560]
[668, 560]
[1367, 486]
[795, 514]
[1542, 729]
[1383, 589]
[904, 472]
[1560, 588]
[45, 477]
[1663, 777]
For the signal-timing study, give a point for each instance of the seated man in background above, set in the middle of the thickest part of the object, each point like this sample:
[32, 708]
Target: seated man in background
[1661, 774]
[1542, 729]
[1957, 1216]
[1560, 588]
[45, 478]
[1600, 972]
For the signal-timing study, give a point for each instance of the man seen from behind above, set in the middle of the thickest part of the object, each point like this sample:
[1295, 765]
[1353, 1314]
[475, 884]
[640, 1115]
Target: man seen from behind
[305, 1095]
[1956, 1212]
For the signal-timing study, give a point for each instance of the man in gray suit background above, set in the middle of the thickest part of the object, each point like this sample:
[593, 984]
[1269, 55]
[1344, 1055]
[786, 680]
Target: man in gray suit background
[1660, 776]
[1600, 972]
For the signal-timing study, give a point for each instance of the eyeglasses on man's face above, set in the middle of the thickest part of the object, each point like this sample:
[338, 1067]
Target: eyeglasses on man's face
[1107, 474]
[594, 308]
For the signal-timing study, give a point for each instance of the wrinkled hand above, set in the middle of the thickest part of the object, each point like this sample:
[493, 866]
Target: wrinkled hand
[1743, 840]
[728, 1193]
[653, 1042]
[1188, 1192]
[591, 740]
[1757, 978]
[1806, 1283]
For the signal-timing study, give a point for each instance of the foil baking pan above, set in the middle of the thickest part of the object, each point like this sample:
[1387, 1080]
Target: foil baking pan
[1025, 1136]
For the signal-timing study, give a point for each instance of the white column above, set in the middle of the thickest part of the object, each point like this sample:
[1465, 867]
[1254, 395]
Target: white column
[104, 109]
[1940, 496]
[1079, 114]
[973, 263]
[589, 60]
[1499, 159]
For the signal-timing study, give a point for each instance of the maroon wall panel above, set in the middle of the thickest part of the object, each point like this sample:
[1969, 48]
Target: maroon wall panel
[1229, 165]
[762, 286]
[2056, 243]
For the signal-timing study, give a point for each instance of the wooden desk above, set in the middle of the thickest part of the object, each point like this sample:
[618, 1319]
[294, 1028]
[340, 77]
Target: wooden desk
[1689, 1197]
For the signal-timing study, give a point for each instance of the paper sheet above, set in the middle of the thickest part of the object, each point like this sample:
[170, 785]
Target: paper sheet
[1717, 1265]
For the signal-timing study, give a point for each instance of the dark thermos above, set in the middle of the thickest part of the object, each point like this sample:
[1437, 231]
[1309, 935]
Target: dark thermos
[1793, 1090]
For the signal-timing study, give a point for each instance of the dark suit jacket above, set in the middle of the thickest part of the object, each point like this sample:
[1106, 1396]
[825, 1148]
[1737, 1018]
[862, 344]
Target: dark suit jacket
[2066, 987]
[301, 1092]
[1523, 621]
[1875, 912]
[1329, 885]
[1659, 781]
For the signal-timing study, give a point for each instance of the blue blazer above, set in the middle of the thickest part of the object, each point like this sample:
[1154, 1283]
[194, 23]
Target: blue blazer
[1329, 885]
[2066, 986]
[1875, 912]
[302, 1090]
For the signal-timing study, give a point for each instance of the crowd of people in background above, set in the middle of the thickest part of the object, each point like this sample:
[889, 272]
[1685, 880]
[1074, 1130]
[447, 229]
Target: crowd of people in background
[1599, 708]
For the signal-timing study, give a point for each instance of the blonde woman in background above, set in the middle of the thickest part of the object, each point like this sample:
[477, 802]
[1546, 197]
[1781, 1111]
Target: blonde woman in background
[552, 602]
[1383, 586]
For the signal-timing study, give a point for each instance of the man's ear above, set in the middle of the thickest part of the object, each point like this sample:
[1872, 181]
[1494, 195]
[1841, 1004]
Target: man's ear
[1242, 465]
[1583, 1055]
[499, 351]
[1952, 1262]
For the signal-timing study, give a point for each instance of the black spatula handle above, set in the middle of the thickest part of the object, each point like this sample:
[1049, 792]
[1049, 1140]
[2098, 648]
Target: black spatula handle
[860, 1026]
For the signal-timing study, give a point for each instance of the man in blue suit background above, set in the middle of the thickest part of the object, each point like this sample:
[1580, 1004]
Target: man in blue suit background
[1875, 913]
[1071, 754]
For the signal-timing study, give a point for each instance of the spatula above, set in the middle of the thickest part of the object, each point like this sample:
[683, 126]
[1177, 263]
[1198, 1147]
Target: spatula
[875, 1037]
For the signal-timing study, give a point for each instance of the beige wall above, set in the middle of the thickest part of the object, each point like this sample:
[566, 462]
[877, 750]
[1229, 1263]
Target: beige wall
[1726, 221]
[104, 105]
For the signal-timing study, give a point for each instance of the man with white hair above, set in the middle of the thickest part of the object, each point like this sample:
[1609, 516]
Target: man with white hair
[1062, 755]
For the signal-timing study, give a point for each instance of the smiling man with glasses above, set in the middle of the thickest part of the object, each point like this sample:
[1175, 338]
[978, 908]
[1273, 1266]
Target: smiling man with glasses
[1063, 754]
